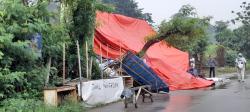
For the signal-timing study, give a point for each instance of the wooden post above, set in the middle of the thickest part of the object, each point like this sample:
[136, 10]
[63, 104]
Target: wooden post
[87, 60]
[79, 66]
[63, 63]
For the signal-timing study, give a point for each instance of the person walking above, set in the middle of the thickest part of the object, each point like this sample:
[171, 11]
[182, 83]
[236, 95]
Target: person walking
[241, 66]
[211, 64]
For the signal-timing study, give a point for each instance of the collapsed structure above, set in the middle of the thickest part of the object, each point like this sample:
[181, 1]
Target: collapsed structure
[116, 34]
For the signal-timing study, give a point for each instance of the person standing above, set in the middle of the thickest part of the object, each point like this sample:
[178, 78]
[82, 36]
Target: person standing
[192, 63]
[192, 69]
[211, 64]
[241, 66]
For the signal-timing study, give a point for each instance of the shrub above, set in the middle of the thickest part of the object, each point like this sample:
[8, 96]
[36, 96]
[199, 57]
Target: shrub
[11, 82]
[34, 105]
[210, 51]
[230, 57]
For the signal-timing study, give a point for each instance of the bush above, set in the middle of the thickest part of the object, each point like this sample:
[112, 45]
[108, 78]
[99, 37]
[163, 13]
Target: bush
[210, 51]
[21, 84]
[20, 105]
[248, 64]
[230, 57]
[34, 105]
[35, 82]
[230, 54]
[11, 83]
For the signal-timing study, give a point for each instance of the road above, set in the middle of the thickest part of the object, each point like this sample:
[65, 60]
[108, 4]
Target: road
[232, 97]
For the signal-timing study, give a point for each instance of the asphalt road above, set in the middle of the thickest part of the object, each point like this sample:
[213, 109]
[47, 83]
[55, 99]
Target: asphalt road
[232, 97]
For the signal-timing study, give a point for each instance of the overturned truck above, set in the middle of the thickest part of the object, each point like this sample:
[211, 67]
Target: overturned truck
[142, 73]
[116, 35]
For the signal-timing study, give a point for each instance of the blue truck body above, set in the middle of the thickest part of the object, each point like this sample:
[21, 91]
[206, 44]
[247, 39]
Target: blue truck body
[142, 73]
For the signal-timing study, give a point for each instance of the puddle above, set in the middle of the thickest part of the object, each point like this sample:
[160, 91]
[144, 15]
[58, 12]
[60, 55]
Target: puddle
[158, 109]
[178, 104]
[234, 77]
[223, 86]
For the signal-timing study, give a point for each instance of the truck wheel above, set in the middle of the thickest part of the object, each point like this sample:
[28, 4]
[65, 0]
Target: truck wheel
[136, 105]
[126, 105]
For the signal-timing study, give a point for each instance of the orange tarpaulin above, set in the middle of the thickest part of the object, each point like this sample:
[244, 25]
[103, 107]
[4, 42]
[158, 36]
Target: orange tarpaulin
[115, 34]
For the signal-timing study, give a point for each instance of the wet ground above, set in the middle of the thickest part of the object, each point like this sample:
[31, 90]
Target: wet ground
[232, 97]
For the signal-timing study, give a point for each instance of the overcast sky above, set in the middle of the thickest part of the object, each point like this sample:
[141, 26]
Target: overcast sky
[164, 9]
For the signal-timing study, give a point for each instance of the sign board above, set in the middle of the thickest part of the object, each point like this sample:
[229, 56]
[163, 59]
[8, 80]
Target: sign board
[101, 91]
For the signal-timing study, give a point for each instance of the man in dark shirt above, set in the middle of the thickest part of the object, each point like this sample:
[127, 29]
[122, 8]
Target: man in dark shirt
[211, 64]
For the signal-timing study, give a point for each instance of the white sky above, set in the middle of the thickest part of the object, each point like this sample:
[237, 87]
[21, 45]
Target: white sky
[218, 9]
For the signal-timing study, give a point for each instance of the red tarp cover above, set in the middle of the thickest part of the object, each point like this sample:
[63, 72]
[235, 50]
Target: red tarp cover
[115, 34]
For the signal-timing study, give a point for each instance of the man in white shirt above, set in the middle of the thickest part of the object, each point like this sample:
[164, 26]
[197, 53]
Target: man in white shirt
[192, 62]
[192, 69]
[241, 66]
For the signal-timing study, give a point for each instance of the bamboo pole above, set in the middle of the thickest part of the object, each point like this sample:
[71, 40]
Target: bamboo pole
[101, 60]
[79, 66]
[62, 11]
[48, 72]
[120, 72]
[87, 60]
[90, 68]
[107, 50]
[63, 63]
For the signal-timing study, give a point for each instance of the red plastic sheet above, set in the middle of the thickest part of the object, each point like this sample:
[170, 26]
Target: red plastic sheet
[115, 34]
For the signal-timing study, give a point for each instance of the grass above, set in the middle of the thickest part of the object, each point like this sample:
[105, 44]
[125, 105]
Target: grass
[225, 70]
[222, 70]
[34, 105]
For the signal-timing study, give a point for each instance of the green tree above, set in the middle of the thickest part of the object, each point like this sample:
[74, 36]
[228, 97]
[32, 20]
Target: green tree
[11, 82]
[79, 18]
[129, 8]
[183, 31]
[21, 69]
[18, 22]
[223, 33]
[244, 15]
[241, 42]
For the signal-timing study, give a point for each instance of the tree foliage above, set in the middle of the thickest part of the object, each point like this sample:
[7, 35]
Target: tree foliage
[237, 40]
[183, 31]
[244, 15]
[11, 82]
[223, 33]
[79, 18]
[241, 40]
[242, 35]
[21, 69]
[129, 8]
